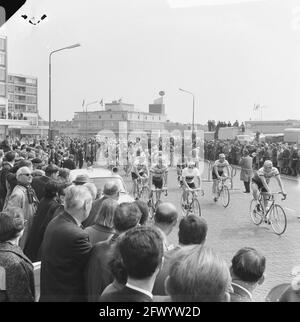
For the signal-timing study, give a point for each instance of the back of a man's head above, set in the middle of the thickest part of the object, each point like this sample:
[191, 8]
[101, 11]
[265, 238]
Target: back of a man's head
[127, 215]
[192, 230]
[248, 265]
[51, 168]
[110, 189]
[197, 274]
[76, 197]
[141, 250]
[166, 214]
[10, 156]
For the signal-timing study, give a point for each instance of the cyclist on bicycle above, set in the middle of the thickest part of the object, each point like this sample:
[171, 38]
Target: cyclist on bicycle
[188, 177]
[261, 180]
[139, 171]
[218, 173]
[159, 175]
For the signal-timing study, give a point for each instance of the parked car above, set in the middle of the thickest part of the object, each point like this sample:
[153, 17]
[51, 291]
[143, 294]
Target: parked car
[99, 177]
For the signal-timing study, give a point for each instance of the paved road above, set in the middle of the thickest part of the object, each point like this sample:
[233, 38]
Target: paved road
[231, 229]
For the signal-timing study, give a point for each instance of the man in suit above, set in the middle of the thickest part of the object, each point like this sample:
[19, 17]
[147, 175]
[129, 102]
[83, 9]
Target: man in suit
[98, 275]
[66, 250]
[39, 183]
[247, 272]
[246, 170]
[192, 231]
[165, 220]
[110, 190]
[141, 250]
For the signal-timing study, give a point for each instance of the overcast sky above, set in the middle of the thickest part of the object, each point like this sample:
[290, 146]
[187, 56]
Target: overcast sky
[231, 54]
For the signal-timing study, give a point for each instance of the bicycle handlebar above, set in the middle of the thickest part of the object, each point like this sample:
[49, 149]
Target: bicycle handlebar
[271, 195]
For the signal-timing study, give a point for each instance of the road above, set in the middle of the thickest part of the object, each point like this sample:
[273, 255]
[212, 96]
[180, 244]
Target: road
[231, 229]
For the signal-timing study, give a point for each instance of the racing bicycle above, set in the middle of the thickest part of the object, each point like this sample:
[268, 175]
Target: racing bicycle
[192, 204]
[274, 214]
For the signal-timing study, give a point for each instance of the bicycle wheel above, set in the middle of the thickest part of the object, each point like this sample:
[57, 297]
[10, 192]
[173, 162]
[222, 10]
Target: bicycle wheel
[195, 208]
[144, 195]
[278, 219]
[255, 214]
[183, 209]
[225, 196]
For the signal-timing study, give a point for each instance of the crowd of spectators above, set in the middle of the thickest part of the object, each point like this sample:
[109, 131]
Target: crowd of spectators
[94, 248]
[214, 126]
[286, 157]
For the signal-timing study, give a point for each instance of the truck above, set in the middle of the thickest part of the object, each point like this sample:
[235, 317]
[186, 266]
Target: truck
[292, 135]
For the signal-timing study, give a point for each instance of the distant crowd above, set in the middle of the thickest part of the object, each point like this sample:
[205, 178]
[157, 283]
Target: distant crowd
[286, 157]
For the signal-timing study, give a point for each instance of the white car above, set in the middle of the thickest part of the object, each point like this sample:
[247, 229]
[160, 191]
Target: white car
[100, 177]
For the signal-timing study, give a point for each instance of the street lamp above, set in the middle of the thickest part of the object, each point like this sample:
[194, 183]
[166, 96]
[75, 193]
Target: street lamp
[193, 123]
[50, 56]
[86, 118]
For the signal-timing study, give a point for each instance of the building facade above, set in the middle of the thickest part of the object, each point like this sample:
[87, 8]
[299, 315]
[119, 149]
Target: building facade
[23, 98]
[270, 127]
[3, 77]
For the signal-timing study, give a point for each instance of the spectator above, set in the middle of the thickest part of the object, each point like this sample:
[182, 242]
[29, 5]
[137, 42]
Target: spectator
[165, 219]
[103, 227]
[18, 268]
[1, 158]
[39, 183]
[144, 210]
[7, 165]
[37, 163]
[66, 249]
[197, 274]
[38, 228]
[286, 292]
[98, 273]
[246, 170]
[81, 179]
[92, 188]
[141, 250]
[247, 271]
[69, 163]
[24, 197]
[110, 190]
[64, 176]
[192, 231]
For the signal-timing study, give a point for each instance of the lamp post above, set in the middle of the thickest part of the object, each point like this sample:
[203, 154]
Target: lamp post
[86, 118]
[50, 56]
[193, 122]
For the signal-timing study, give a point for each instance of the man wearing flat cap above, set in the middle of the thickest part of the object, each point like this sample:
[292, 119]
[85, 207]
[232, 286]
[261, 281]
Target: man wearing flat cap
[81, 179]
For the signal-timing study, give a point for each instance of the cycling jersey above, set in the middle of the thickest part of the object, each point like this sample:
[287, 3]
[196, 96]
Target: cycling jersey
[267, 175]
[159, 171]
[190, 174]
[220, 168]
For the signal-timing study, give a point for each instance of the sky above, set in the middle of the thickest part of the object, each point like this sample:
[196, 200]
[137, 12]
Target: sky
[231, 54]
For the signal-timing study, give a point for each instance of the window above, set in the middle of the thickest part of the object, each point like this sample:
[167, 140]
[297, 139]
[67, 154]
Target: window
[10, 88]
[2, 44]
[10, 79]
[11, 97]
[2, 74]
[31, 109]
[2, 89]
[31, 99]
[31, 81]
[31, 90]
[2, 59]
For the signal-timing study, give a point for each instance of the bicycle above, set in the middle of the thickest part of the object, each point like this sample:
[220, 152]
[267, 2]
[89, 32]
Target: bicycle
[192, 204]
[142, 189]
[153, 205]
[223, 191]
[275, 215]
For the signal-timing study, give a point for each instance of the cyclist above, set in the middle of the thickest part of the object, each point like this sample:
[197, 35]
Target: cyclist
[261, 180]
[159, 175]
[218, 173]
[139, 171]
[188, 177]
[181, 164]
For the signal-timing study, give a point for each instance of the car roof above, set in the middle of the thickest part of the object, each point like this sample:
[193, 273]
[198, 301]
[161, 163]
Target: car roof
[91, 172]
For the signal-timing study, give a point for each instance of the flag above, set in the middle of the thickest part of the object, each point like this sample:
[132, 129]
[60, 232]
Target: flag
[256, 107]
[83, 103]
[101, 102]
